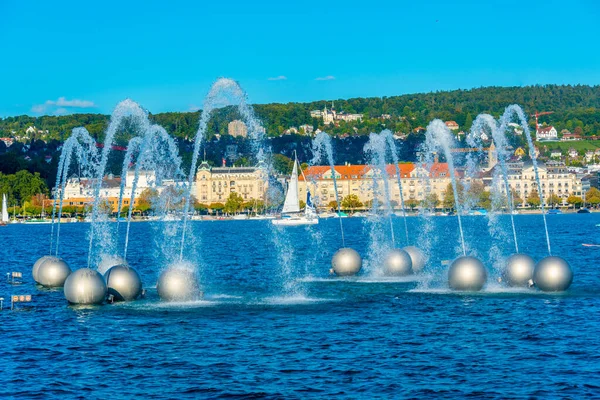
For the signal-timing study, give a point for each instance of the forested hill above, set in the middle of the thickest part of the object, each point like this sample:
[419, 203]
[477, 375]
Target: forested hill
[573, 106]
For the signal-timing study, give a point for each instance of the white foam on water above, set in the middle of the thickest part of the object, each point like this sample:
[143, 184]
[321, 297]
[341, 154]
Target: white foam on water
[293, 300]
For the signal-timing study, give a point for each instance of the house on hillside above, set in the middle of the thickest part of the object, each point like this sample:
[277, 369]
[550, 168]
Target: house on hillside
[555, 154]
[573, 153]
[568, 136]
[546, 133]
[452, 125]
[589, 156]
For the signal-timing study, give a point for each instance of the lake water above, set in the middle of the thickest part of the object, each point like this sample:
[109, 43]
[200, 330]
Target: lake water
[291, 331]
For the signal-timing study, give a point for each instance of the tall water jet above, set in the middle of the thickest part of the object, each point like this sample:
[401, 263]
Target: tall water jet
[500, 194]
[395, 261]
[82, 145]
[346, 256]
[466, 272]
[100, 231]
[551, 273]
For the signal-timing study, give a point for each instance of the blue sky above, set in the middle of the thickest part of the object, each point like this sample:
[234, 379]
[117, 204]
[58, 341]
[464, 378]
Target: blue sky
[78, 56]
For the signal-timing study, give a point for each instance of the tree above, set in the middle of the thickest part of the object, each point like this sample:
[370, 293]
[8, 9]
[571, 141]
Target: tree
[517, 200]
[234, 203]
[575, 201]
[302, 204]
[216, 207]
[553, 200]
[534, 199]
[411, 203]
[592, 197]
[283, 164]
[351, 202]
[332, 205]
[431, 201]
[448, 199]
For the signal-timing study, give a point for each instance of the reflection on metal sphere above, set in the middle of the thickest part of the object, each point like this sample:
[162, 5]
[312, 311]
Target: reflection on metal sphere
[123, 283]
[52, 272]
[178, 284]
[398, 263]
[107, 261]
[519, 270]
[85, 286]
[346, 262]
[553, 274]
[36, 266]
[419, 259]
[466, 273]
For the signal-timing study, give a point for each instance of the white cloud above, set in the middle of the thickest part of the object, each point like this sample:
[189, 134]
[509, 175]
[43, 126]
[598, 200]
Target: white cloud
[193, 108]
[75, 103]
[61, 111]
[277, 78]
[325, 78]
[38, 109]
[61, 106]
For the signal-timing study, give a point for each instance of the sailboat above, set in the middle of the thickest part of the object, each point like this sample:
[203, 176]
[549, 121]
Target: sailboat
[290, 214]
[4, 211]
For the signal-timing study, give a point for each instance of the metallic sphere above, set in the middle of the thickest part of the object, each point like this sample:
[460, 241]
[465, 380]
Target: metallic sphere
[553, 274]
[36, 266]
[123, 283]
[466, 273]
[52, 272]
[346, 262]
[519, 270]
[178, 284]
[397, 263]
[85, 286]
[107, 261]
[419, 259]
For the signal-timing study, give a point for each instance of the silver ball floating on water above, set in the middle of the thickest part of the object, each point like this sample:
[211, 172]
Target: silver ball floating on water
[107, 261]
[553, 274]
[419, 259]
[346, 262]
[85, 286]
[178, 283]
[466, 273]
[51, 272]
[397, 263]
[36, 266]
[123, 283]
[519, 270]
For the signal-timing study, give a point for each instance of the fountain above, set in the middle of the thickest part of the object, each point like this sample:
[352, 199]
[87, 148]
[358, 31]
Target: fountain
[396, 262]
[466, 272]
[83, 146]
[551, 273]
[346, 257]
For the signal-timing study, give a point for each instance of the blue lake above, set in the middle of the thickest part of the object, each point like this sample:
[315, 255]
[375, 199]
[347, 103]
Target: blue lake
[274, 324]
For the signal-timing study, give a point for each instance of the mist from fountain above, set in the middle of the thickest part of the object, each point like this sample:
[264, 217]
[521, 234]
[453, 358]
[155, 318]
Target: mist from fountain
[381, 208]
[157, 153]
[394, 153]
[83, 146]
[322, 143]
[482, 124]
[509, 113]
[100, 230]
[221, 94]
[438, 136]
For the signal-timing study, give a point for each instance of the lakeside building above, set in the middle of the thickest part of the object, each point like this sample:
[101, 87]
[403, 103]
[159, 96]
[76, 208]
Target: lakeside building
[358, 180]
[215, 184]
[555, 179]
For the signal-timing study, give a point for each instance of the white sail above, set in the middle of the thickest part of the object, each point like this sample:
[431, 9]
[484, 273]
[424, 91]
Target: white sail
[4, 209]
[292, 204]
